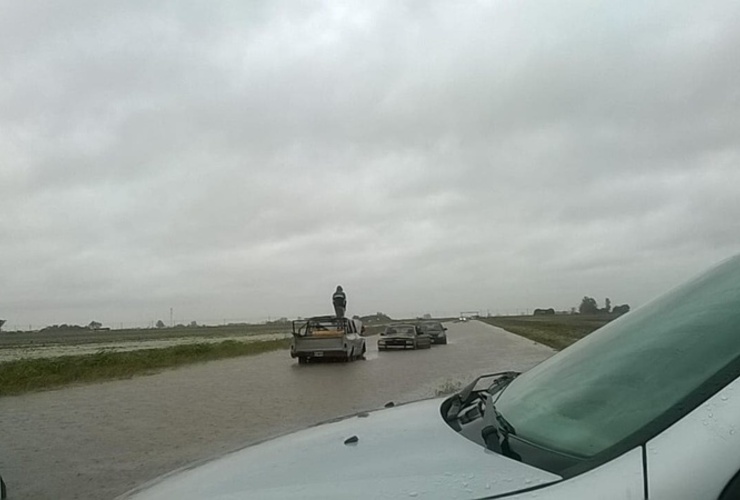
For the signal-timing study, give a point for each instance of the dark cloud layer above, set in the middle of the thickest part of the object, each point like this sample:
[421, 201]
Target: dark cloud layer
[239, 160]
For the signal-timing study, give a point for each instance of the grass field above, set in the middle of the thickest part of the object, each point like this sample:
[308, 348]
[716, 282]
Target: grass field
[558, 331]
[33, 374]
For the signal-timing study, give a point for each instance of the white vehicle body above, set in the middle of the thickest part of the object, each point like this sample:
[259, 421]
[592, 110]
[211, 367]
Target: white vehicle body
[402, 452]
[647, 407]
[409, 452]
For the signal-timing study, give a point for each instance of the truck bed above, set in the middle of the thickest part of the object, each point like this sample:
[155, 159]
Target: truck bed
[319, 346]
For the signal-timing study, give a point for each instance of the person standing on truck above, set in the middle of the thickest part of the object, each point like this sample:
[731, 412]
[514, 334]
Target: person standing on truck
[339, 300]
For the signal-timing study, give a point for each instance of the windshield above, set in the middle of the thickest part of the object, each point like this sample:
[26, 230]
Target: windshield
[400, 330]
[428, 327]
[621, 378]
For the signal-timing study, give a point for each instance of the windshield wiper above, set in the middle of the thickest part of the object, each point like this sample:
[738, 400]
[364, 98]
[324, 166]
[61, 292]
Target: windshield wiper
[464, 397]
[496, 429]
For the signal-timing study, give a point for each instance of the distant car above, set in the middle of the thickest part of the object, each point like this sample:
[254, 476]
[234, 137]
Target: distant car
[435, 330]
[406, 336]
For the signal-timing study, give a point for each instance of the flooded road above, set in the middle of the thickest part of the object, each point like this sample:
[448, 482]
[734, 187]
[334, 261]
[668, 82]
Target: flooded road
[98, 441]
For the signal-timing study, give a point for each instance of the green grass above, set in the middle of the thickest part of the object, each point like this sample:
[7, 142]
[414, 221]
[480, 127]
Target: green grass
[557, 331]
[33, 374]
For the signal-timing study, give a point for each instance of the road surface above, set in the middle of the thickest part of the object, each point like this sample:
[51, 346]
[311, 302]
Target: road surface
[98, 441]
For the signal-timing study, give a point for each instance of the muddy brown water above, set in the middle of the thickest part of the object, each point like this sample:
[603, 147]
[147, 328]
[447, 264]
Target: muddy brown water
[98, 441]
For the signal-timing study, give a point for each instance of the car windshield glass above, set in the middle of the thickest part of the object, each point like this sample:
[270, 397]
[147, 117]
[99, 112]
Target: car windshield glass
[400, 330]
[621, 378]
[432, 327]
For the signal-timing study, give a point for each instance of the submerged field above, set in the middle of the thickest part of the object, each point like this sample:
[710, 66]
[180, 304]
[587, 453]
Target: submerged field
[33, 374]
[39, 360]
[32, 361]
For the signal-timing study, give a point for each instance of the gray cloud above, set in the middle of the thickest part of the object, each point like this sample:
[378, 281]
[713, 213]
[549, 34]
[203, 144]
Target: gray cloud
[238, 161]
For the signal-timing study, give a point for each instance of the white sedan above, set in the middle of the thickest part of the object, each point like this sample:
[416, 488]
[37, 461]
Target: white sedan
[643, 408]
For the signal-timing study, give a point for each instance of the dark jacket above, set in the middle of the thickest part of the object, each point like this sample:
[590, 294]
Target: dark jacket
[339, 299]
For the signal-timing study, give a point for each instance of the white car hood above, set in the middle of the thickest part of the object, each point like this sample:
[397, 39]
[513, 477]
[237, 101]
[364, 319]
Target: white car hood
[402, 452]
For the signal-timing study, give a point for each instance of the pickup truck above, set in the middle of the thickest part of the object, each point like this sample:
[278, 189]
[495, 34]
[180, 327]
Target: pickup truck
[327, 337]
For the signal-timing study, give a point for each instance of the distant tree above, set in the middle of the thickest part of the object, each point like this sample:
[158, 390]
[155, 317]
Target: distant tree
[160, 323]
[279, 321]
[607, 305]
[588, 306]
[2, 322]
[619, 310]
[193, 324]
[95, 325]
[62, 328]
[356, 316]
[427, 316]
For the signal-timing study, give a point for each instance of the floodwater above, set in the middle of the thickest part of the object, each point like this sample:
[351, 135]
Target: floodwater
[54, 350]
[98, 441]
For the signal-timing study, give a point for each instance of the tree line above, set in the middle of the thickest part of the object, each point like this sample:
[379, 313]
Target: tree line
[590, 306]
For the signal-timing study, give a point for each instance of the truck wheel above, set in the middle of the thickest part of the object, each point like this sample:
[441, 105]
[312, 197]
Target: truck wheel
[302, 360]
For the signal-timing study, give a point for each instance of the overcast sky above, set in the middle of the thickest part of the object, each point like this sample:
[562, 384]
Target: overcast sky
[238, 160]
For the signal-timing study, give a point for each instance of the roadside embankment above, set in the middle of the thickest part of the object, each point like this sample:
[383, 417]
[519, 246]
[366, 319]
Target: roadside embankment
[557, 331]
